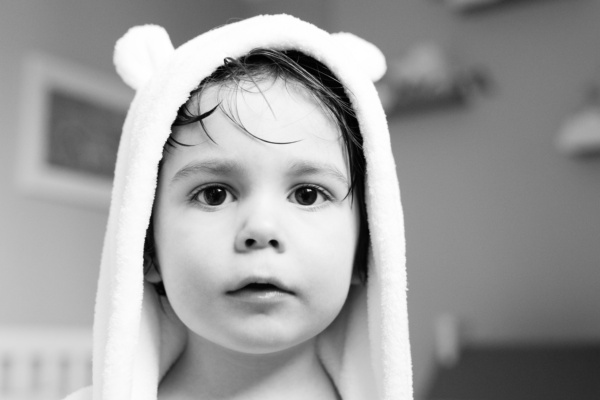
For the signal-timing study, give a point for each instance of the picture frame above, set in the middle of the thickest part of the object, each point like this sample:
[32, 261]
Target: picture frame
[473, 6]
[71, 122]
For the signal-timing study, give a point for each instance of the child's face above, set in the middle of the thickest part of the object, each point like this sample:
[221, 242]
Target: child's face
[255, 241]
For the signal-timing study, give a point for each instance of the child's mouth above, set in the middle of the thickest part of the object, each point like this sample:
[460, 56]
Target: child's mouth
[260, 287]
[259, 291]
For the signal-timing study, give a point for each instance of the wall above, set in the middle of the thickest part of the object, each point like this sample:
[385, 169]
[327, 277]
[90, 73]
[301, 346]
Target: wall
[318, 12]
[50, 251]
[502, 230]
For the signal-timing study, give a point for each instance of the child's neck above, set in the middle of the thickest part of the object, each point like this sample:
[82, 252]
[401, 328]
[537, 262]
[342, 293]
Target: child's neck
[207, 371]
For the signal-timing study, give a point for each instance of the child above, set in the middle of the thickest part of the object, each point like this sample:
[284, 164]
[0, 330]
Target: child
[237, 261]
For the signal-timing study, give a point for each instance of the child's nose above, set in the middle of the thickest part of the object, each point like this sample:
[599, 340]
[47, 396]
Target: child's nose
[251, 243]
[259, 237]
[260, 230]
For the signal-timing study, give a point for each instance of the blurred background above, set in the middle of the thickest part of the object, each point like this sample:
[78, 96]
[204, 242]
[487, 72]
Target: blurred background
[503, 229]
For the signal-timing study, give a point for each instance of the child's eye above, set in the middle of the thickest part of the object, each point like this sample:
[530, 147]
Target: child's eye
[309, 195]
[213, 196]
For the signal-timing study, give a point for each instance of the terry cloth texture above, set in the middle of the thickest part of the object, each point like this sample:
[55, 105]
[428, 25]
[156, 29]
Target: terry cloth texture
[366, 350]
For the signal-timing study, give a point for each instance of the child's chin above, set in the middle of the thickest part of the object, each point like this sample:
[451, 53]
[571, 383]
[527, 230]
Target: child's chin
[263, 344]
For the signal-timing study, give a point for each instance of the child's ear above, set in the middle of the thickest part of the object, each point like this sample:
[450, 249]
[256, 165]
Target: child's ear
[152, 274]
[356, 278]
[151, 271]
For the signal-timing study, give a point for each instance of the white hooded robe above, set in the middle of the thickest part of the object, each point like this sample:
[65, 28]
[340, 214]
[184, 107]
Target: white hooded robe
[366, 350]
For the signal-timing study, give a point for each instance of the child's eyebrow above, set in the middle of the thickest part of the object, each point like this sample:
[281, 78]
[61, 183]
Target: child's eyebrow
[317, 168]
[216, 167]
[225, 167]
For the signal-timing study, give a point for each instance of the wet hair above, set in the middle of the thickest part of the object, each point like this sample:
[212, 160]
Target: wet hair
[294, 67]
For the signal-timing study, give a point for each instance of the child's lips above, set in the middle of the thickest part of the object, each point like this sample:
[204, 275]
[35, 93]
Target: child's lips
[266, 296]
[260, 287]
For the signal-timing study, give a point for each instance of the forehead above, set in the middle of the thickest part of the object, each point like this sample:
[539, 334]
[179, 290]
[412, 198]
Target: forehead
[251, 117]
[270, 104]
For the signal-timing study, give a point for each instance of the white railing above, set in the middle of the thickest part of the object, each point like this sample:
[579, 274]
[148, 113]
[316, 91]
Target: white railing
[43, 362]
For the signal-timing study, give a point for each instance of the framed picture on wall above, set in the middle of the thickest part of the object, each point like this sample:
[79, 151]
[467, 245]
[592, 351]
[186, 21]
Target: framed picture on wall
[476, 5]
[71, 120]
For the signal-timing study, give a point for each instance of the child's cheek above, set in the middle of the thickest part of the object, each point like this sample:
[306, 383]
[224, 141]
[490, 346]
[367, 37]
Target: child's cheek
[327, 248]
[193, 249]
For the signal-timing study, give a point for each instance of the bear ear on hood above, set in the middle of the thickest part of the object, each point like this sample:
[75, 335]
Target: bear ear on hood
[366, 55]
[141, 52]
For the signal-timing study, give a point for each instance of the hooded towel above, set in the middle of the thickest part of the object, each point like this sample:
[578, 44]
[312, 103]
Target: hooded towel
[366, 351]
